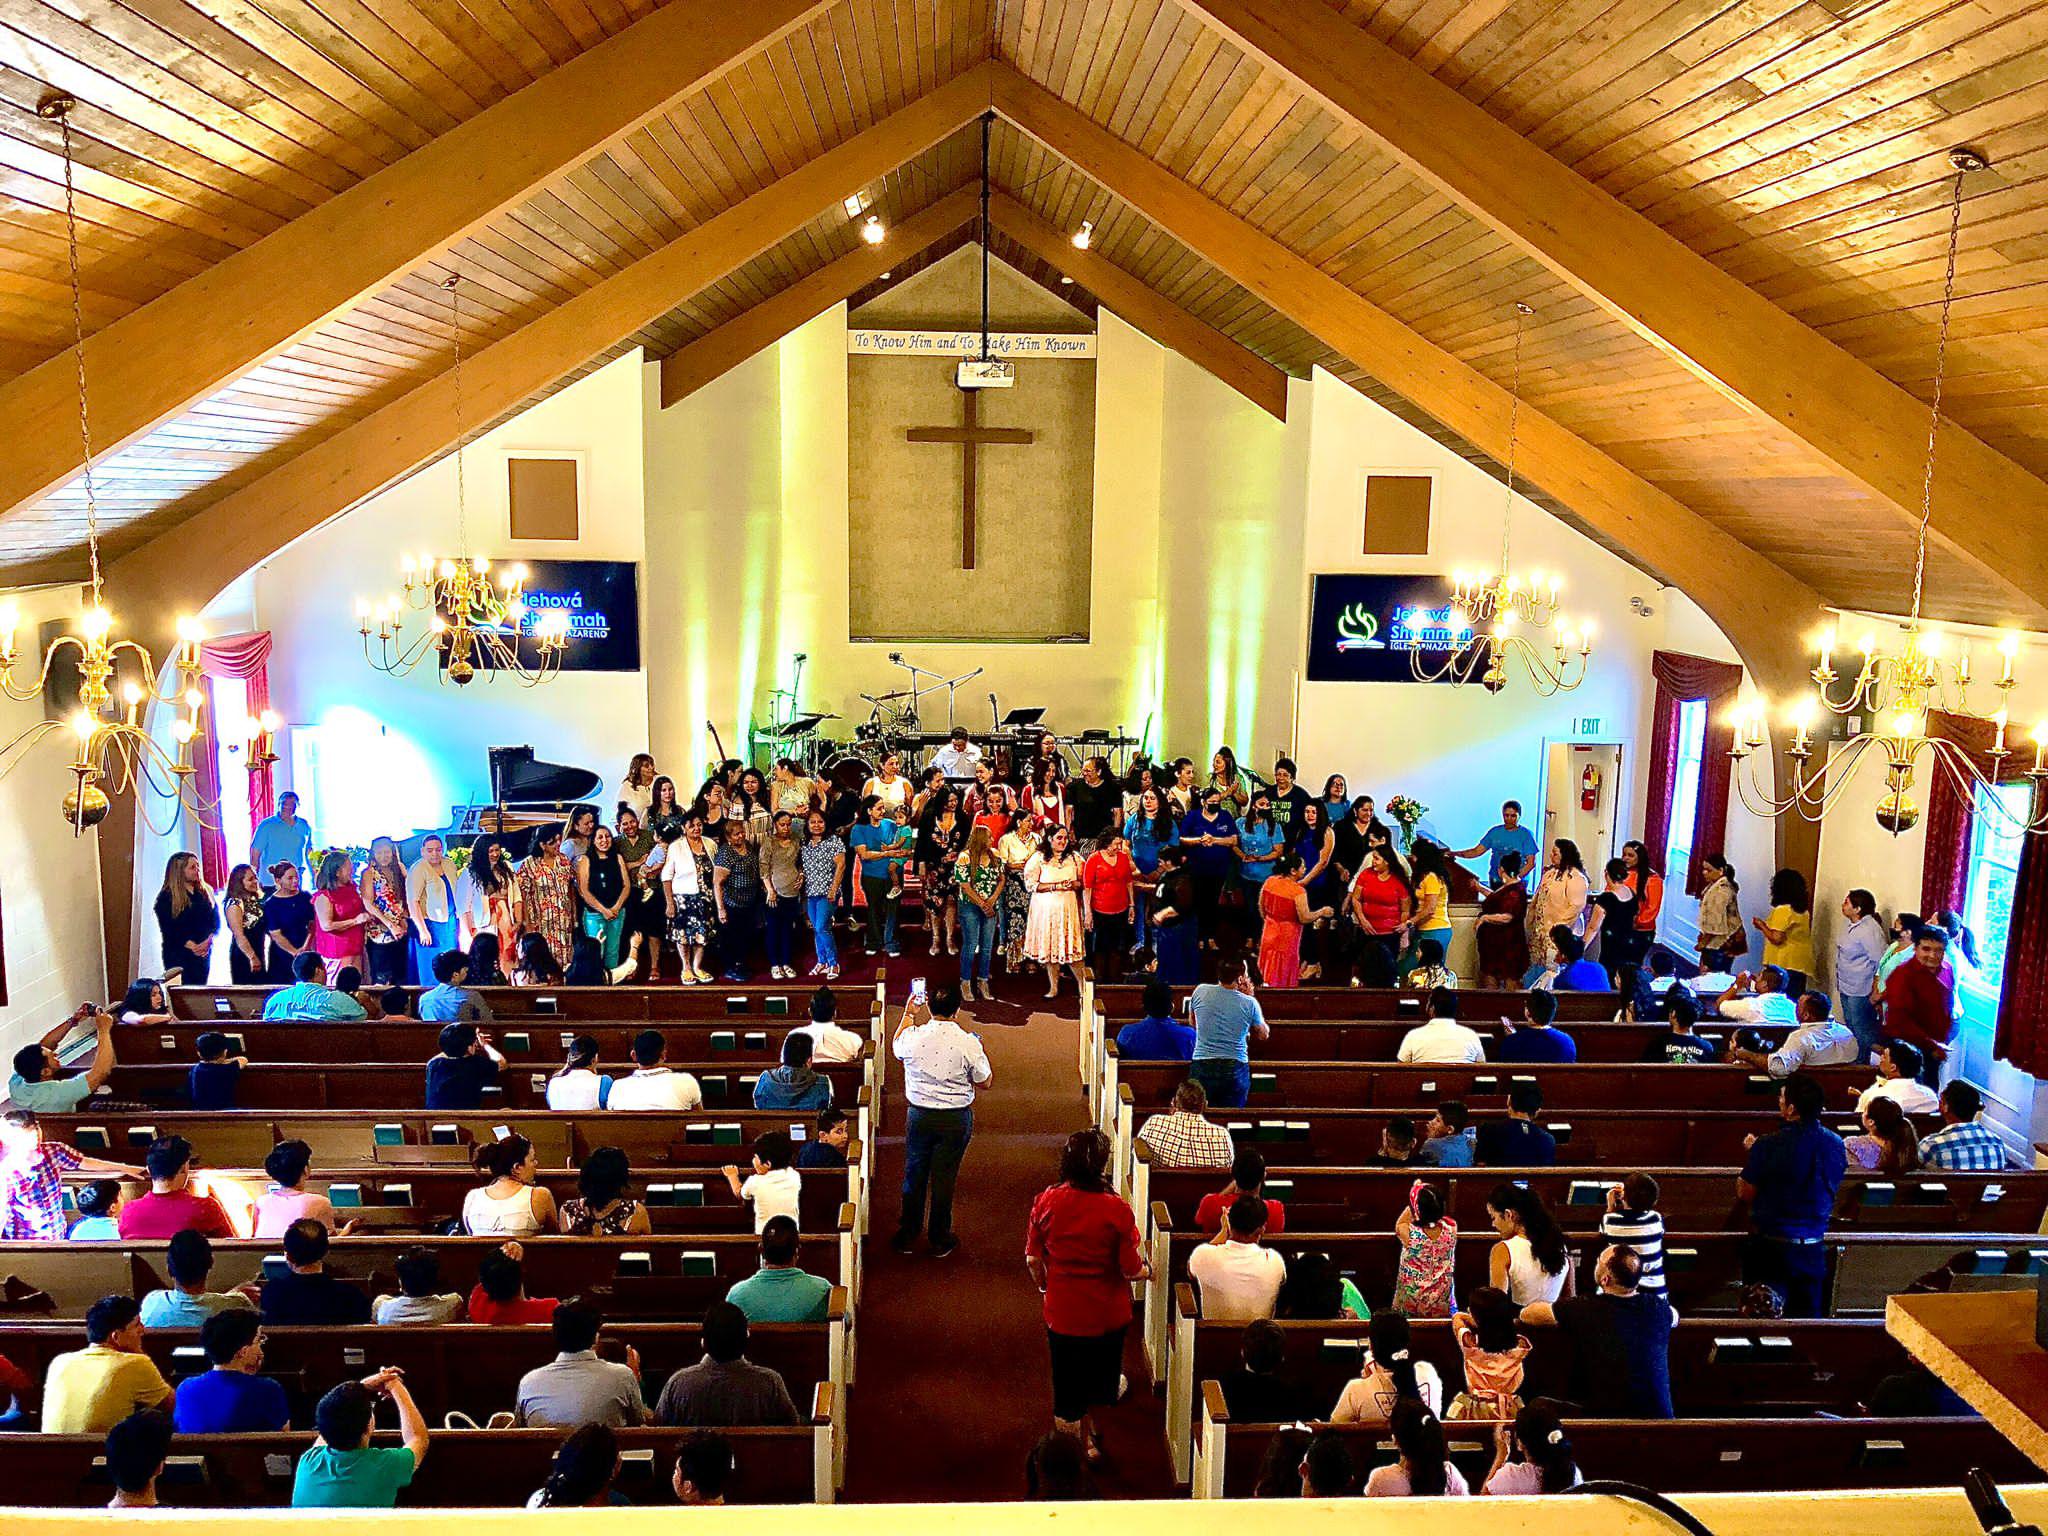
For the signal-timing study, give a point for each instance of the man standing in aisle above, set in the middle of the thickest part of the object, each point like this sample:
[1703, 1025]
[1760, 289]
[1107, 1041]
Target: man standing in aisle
[943, 1065]
[281, 839]
[1226, 1016]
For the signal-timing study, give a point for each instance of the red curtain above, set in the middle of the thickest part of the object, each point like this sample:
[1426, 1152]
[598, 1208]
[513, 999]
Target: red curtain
[1944, 865]
[246, 657]
[2023, 992]
[1680, 680]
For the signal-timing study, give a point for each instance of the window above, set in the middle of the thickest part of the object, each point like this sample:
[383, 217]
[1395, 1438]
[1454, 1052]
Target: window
[1995, 841]
[1685, 792]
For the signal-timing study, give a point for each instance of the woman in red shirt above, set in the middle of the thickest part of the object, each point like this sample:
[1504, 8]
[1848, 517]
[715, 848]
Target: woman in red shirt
[1081, 1248]
[1381, 903]
[1106, 904]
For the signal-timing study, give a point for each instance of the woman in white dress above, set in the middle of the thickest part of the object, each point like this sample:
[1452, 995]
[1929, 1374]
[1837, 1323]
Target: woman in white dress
[891, 787]
[1053, 935]
[512, 1204]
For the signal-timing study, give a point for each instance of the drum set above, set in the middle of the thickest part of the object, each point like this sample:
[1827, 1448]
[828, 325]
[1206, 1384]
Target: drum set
[896, 723]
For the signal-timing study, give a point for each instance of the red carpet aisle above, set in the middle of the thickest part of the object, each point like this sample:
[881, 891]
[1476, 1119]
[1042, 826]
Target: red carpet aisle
[953, 1388]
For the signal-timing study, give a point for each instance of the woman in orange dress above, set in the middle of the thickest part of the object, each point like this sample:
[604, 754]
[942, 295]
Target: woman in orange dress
[1283, 903]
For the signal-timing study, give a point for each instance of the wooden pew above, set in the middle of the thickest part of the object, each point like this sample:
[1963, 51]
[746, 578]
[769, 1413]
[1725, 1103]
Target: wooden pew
[1125, 1000]
[623, 1004]
[682, 1274]
[381, 1198]
[1721, 1367]
[527, 1044]
[294, 1085]
[1368, 1084]
[1704, 1268]
[1691, 1199]
[464, 1469]
[464, 1367]
[1673, 1455]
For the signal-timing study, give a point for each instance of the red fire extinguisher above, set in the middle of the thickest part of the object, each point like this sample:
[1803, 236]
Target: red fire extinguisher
[1589, 789]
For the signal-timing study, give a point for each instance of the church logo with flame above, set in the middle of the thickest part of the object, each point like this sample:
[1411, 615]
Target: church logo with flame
[1358, 630]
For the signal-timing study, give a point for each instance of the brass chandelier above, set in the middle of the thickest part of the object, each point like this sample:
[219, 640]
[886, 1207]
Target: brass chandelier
[111, 746]
[1897, 687]
[1497, 616]
[476, 615]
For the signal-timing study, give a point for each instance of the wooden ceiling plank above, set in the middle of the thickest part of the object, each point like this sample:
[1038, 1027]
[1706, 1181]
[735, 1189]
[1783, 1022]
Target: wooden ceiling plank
[1861, 422]
[1166, 323]
[688, 369]
[152, 363]
[227, 536]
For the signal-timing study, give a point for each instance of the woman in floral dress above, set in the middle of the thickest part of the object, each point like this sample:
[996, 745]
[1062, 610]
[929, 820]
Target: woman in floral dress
[1429, 1244]
[1016, 848]
[1053, 935]
[547, 894]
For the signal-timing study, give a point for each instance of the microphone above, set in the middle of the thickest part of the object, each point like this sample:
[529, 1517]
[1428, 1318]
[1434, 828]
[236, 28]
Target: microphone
[802, 656]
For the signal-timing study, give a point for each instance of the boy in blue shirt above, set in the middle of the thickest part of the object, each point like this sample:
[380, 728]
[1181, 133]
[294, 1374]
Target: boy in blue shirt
[1536, 1039]
[1575, 973]
[343, 1470]
[211, 1082]
[232, 1398]
[1158, 1036]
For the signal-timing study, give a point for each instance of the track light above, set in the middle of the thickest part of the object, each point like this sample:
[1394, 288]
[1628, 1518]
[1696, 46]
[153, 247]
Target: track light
[1084, 235]
[871, 230]
[887, 275]
[1066, 282]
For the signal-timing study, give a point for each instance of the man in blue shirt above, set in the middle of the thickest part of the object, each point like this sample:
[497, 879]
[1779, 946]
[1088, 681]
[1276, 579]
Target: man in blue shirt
[1789, 1184]
[878, 860]
[1509, 837]
[39, 1082]
[795, 1084]
[467, 1065]
[1226, 1017]
[449, 1001]
[1518, 1141]
[309, 998]
[231, 1399]
[1575, 973]
[281, 839]
[1536, 1038]
[1158, 1036]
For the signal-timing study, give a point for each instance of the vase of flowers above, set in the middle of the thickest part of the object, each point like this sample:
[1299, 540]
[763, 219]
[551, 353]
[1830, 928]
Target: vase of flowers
[1406, 811]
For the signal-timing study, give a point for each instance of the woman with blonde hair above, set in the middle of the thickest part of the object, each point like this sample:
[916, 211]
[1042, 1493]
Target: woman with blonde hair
[383, 886]
[636, 789]
[188, 919]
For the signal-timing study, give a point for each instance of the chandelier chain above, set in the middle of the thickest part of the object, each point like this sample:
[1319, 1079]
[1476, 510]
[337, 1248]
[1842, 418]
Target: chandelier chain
[92, 511]
[1507, 519]
[453, 284]
[1948, 295]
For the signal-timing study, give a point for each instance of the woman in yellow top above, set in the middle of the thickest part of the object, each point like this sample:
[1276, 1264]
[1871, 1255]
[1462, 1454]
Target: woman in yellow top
[1788, 930]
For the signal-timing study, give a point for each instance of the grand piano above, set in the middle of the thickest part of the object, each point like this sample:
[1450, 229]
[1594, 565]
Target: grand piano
[526, 794]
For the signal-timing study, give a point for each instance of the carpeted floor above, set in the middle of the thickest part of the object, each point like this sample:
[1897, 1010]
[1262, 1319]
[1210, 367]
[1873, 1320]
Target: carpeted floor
[953, 1389]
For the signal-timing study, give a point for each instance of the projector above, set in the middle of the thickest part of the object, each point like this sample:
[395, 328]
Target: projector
[986, 373]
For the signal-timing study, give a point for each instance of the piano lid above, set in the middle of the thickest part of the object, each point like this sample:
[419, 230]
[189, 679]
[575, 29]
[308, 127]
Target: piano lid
[520, 778]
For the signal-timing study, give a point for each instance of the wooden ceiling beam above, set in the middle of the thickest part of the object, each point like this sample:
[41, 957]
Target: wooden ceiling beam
[1986, 508]
[1760, 607]
[154, 362]
[213, 546]
[1161, 319]
[689, 368]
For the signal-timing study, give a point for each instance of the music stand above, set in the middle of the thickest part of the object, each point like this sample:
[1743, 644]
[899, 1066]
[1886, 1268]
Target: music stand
[1021, 719]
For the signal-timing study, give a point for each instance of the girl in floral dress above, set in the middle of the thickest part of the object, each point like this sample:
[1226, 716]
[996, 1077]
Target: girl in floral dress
[1053, 935]
[1429, 1243]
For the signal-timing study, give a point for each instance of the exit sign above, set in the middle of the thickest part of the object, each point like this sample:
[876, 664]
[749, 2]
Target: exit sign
[1586, 725]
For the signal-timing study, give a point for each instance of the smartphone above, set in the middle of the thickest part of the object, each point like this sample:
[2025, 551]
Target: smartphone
[917, 989]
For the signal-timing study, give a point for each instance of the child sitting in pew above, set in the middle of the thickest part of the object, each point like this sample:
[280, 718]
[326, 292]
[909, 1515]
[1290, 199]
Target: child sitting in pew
[99, 1204]
[826, 1147]
[213, 1079]
[775, 1188]
[419, 1302]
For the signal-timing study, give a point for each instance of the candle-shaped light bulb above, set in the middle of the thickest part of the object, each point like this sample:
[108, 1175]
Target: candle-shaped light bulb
[192, 699]
[183, 730]
[1998, 743]
[94, 623]
[83, 725]
[270, 721]
[132, 693]
[2008, 648]
[362, 608]
[2040, 743]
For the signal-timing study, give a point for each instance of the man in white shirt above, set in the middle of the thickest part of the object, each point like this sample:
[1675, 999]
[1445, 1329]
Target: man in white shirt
[1898, 1077]
[1239, 1278]
[653, 1085]
[942, 1066]
[1758, 998]
[828, 1041]
[1443, 1041]
[958, 758]
[1818, 1041]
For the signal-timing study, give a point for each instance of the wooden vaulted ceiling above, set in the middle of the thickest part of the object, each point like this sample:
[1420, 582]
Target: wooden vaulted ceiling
[1797, 144]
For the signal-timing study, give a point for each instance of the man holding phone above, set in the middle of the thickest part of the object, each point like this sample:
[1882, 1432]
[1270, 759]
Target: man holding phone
[943, 1065]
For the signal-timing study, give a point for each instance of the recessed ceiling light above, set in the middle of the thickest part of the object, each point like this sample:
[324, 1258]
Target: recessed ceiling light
[1084, 235]
[872, 231]
[1066, 282]
[887, 275]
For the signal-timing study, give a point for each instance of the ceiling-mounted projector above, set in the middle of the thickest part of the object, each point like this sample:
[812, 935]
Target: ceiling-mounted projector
[986, 373]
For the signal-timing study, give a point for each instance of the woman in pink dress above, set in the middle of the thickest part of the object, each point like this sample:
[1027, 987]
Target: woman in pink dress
[339, 916]
[1283, 903]
[1053, 935]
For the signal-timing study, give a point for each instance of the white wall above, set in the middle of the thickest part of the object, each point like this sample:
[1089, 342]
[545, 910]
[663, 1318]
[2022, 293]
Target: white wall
[427, 740]
[49, 889]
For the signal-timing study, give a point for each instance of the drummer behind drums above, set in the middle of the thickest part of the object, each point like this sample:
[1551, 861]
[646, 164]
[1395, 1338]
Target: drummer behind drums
[958, 758]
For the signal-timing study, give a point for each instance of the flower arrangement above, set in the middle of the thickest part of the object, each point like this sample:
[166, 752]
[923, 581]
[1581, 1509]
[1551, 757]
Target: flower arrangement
[1406, 811]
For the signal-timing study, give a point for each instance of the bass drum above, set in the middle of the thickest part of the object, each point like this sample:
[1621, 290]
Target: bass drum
[849, 770]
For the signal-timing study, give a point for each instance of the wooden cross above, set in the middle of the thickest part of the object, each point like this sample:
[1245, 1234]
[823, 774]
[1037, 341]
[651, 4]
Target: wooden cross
[970, 436]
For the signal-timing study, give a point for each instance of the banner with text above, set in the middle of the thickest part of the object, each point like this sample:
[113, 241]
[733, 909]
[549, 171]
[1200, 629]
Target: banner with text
[602, 599]
[1362, 629]
[1011, 344]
